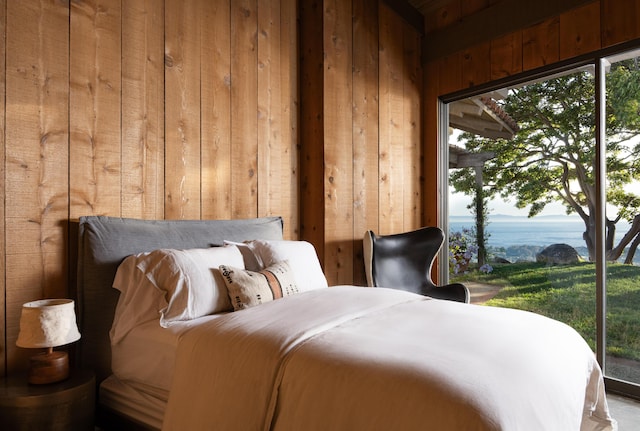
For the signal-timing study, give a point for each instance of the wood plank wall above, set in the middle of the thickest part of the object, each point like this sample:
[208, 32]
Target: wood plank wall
[145, 109]
[571, 33]
[36, 155]
[361, 92]
[3, 92]
[190, 109]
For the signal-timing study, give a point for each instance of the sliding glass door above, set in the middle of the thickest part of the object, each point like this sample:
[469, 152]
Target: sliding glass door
[543, 209]
[621, 299]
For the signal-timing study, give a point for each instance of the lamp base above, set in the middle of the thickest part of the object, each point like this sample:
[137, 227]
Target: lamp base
[48, 367]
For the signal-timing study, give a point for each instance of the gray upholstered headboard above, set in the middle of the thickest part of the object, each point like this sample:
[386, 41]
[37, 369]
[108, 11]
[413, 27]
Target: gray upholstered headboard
[103, 242]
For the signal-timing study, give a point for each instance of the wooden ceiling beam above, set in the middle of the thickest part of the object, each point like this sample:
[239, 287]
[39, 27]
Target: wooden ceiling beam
[409, 13]
[497, 20]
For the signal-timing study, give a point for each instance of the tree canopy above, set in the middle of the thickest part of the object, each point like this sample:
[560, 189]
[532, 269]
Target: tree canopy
[552, 156]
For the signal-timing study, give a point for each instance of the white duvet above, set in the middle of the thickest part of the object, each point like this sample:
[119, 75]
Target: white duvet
[354, 358]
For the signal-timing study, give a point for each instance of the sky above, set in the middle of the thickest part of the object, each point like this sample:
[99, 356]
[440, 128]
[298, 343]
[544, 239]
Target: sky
[458, 207]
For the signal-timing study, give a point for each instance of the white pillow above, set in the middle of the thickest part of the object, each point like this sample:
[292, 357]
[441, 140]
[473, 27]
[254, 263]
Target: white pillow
[251, 288]
[139, 300]
[250, 261]
[190, 281]
[301, 256]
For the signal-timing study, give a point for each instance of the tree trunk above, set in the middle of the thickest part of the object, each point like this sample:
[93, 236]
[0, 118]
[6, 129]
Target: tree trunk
[610, 235]
[480, 219]
[589, 238]
[632, 250]
[616, 252]
[482, 250]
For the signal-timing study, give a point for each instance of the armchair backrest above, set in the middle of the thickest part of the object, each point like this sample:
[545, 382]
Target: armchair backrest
[403, 260]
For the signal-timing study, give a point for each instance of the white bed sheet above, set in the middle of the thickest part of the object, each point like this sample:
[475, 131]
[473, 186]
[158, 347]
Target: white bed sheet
[145, 357]
[136, 403]
[142, 362]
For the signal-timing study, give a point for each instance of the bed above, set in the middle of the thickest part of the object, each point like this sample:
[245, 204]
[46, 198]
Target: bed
[303, 355]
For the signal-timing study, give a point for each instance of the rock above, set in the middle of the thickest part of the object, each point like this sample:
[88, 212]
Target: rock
[558, 254]
[499, 259]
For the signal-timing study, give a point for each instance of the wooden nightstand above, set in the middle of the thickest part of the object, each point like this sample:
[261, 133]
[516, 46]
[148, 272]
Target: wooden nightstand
[68, 405]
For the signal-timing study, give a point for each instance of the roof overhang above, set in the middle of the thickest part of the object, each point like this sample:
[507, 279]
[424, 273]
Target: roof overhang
[482, 116]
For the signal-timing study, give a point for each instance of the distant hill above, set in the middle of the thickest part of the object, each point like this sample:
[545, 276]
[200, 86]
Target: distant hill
[509, 217]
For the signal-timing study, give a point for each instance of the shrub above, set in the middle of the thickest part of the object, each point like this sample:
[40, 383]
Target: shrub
[462, 249]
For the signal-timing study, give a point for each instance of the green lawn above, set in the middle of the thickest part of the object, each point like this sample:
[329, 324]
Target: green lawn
[567, 293]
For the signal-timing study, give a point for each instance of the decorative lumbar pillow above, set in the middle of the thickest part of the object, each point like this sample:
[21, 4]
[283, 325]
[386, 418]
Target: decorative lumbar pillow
[250, 288]
[301, 256]
[192, 284]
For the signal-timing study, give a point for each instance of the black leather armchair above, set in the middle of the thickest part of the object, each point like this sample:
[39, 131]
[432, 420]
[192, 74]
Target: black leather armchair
[403, 261]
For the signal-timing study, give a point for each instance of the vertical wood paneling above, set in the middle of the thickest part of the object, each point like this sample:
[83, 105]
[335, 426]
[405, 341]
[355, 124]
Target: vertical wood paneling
[244, 107]
[620, 21]
[541, 44]
[271, 148]
[95, 107]
[506, 55]
[338, 132]
[377, 76]
[3, 331]
[36, 158]
[86, 104]
[143, 109]
[476, 65]
[391, 123]
[216, 110]
[637, 15]
[289, 117]
[312, 124]
[580, 31]
[444, 16]
[412, 152]
[365, 128]
[182, 109]
[450, 73]
[432, 199]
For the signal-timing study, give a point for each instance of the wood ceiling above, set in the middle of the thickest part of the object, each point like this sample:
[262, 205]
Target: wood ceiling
[426, 6]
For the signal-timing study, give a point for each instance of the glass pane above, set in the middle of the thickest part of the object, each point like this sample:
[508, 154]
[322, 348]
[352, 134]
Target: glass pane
[622, 360]
[522, 172]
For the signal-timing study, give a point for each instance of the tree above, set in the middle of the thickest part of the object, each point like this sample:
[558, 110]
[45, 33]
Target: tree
[481, 215]
[552, 156]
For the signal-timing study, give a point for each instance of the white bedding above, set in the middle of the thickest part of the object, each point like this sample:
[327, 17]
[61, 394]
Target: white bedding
[353, 358]
[145, 357]
[137, 402]
[142, 362]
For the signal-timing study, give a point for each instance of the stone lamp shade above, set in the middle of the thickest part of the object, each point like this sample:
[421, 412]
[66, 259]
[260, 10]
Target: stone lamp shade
[48, 323]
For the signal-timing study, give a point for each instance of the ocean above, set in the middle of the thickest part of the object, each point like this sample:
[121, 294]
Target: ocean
[509, 231]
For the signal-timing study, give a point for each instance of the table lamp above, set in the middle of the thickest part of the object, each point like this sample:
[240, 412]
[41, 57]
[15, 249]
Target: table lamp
[48, 323]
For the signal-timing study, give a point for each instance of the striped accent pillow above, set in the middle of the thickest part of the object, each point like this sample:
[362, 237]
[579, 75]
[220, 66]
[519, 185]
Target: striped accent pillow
[250, 288]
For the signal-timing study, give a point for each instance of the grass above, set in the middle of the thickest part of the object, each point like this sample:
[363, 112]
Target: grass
[567, 293]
